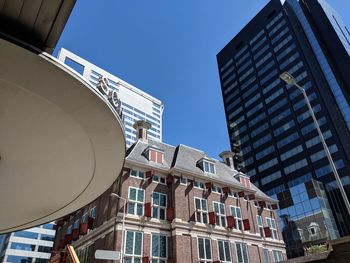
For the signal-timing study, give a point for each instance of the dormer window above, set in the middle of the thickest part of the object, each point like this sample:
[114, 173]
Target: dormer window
[207, 165]
[154, 154]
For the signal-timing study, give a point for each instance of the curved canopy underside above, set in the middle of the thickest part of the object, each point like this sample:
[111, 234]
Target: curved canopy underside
[61, 143]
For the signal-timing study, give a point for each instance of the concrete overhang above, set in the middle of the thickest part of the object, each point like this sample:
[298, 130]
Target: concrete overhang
[38, 23]
[61, 142]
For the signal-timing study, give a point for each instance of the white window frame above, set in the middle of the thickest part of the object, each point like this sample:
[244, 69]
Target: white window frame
[200, 213]
[220, 217]
[159, 207]
[229, 250]
[277, 256]
[138, 173]
[274, 233]
[161, 154]
[238, 220]
[217, 189]
[241, 245]
[159, 259]
[211, 167]
[260, 226]
[233, 194]
[205, 252]
[266, 259]
[158, 179]
[135, 202]
[183, 180]
[201, 184]
[133, 256]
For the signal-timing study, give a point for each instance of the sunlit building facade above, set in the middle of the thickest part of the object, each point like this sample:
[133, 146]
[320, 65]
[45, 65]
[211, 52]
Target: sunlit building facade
[136, 104]
[268, 121]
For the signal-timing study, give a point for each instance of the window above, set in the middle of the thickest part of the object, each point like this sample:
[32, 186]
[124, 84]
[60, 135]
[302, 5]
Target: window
[92, 212]
[219, 209]
[159, 204]
[201, 207]
[159, 248]
[242, 252]
[233, 194]
[158, 179]
[265, 152]
[257, 119]
[291, 153]
[155, 156]
[137, 174]
[224, 251]
[267, 164]
[47, 237]
[183, 180]
[84, 218]
[133, 247]
[271, 177]
[277, 256]
[271, 223]
[22, 246]
[69, 230]
[237, 215]
[281, 116]
[287, 140]
[204, 249]
[217, 189]
[262, 141]
[136, 200]
[295, 166]
[277, 105]
[76, 224]
[266, 256]
[284, 128]
[197, 184]
[209, 167]
[260, 225]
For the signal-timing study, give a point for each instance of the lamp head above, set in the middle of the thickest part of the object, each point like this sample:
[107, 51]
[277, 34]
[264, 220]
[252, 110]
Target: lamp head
[288, 78]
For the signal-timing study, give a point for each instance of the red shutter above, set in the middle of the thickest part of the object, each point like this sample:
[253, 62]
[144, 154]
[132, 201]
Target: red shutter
[159, 157]
[152, 155]
[226, 190]
[148, 210]
[251, 196]
[145, 259]
[170, 260]
[209, 185]
[246, 224]
[148, 174]
[169, 179]
[193, 217]
[68, 239]
[212, 218]
[83, 228]
[75, 234]
[262, 204]
[170, 214]
[59, 223]
[91, 221]
[241, 194]
[267, 232]
[231, 222]
[274, 206]
[216, 261]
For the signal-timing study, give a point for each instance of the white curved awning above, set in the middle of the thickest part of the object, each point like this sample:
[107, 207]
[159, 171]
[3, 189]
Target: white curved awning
[61, 143]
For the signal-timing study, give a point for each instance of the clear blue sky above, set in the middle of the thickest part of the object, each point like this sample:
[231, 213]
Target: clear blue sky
[168, 49]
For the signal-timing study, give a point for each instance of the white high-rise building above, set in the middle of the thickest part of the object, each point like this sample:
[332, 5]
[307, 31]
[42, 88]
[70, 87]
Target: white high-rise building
[136, 104]
[33, 245]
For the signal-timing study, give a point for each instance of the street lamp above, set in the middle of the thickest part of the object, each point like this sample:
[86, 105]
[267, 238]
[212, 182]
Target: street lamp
[289, 79]
[123, 223]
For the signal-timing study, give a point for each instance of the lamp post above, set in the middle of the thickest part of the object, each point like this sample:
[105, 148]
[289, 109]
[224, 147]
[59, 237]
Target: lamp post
[289, 79]
[123, 224]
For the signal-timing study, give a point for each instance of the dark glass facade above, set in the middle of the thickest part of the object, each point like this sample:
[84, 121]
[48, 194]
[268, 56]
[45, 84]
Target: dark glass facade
[268, 121]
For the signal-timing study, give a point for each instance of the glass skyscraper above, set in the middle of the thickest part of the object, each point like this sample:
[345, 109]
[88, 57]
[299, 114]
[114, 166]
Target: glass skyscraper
[269, 125]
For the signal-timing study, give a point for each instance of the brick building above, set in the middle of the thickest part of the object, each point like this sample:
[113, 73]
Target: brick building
[182, 206]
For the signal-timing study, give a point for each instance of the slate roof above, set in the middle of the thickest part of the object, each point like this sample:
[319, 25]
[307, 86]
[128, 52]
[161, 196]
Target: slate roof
[185, 158]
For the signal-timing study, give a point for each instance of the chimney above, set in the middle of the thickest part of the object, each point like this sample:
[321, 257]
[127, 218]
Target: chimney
[227, 157]
[142, 127]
